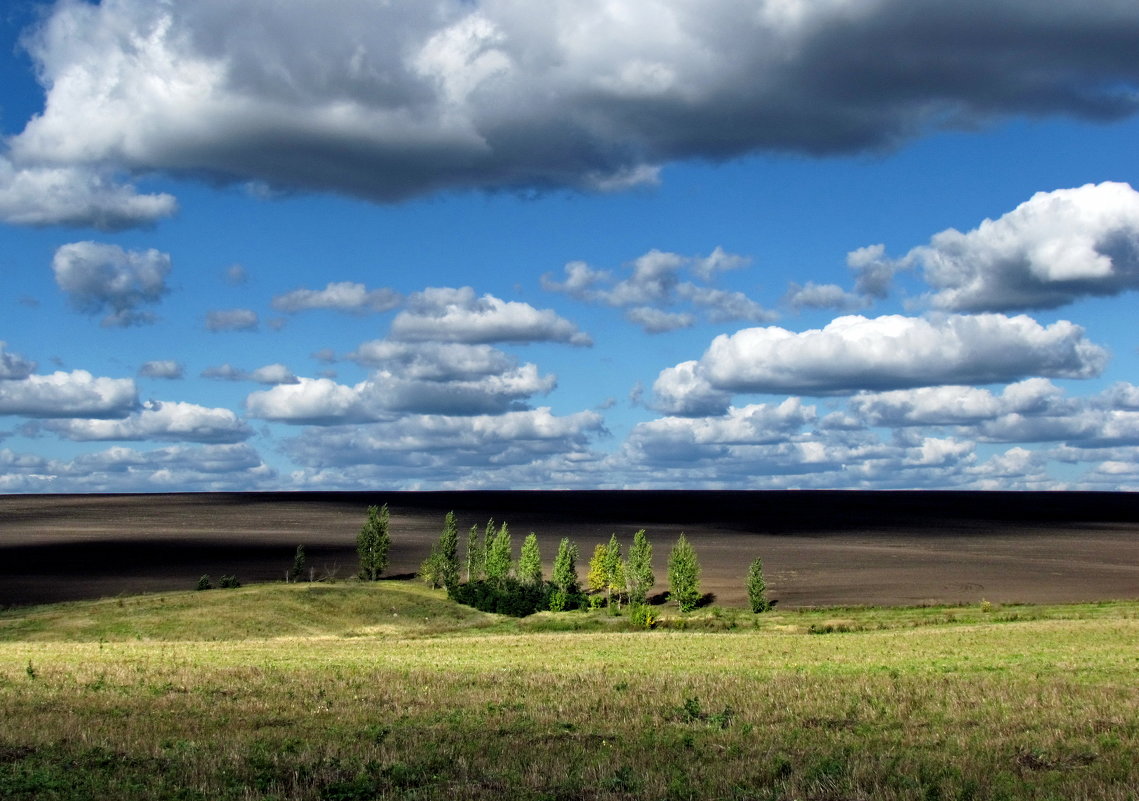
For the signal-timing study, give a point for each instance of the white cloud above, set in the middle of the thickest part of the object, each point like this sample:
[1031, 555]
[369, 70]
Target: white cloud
[952, 404]
[159, 421]
[1049, 251]
[14, 366]
[268, 374]
[167, 369]
[444, 314]
[894, 352]
[231, 320]
[344, 296]
[684, 390]
[391, 100]
[100, 278]
[74, 394]
[655, 285]
[440, 447]
[75, 196]
[433, 361]
[822, 296]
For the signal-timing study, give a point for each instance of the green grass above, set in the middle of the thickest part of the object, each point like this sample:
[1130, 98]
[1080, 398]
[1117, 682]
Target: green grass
[353, 691]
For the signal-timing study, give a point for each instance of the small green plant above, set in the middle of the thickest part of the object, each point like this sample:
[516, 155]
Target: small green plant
[31, 670]
[229, 583]
[204, 583]
[643, 615]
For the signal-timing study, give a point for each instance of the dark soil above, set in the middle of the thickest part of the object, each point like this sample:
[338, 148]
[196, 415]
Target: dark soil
[819, 548]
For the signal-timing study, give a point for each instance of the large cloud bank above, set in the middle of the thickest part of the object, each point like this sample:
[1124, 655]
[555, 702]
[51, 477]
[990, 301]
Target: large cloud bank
[390, 100]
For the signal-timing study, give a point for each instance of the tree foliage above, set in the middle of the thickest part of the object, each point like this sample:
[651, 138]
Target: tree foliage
[373, 543]
[298, 568]
[475, 557]
[441, 568]
[499, 556]
[530, 561]
[757, 587]
[639, 576]
[596, 580]
[684, 575]
[566, 593]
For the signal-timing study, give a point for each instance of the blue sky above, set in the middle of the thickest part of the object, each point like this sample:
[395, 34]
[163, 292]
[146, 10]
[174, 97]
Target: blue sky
[848, 244]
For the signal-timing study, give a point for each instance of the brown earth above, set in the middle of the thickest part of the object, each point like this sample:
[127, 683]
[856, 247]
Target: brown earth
[819, 548]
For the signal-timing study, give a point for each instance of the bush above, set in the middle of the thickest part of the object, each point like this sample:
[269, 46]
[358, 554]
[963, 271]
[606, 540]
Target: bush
[643, 615]
[229, 583]
[506, 596]
[204, 583]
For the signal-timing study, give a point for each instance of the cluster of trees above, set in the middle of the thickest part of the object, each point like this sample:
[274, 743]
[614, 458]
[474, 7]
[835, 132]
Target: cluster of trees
[495, 581]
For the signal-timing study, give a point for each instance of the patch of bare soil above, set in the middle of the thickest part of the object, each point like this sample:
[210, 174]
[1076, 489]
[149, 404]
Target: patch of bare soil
[819, 548]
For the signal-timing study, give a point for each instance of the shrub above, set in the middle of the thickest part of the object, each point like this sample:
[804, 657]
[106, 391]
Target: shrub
[298, 567]
[507, 596]
[643, 615]
[229, 583]
[204, 583]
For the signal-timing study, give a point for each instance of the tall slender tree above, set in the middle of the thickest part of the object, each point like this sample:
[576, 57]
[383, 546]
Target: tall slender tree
[441, 568]
[499, 556]
[596, 579]
[639, 576]
[614, 571]
[565, 567]
[684, 575]
[757, 587]
[530, 561]
[475, 559]
[373, 543]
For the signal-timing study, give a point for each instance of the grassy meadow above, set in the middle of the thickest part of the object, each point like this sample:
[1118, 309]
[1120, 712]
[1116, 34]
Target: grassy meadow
[389, 690]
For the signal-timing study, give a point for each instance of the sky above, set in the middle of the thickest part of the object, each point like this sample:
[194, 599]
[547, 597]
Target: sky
[409, 245]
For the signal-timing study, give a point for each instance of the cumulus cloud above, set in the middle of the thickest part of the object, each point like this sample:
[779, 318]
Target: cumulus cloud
[168, 369]
[344, 296]
[445, 314]
[894, 352]
[1050, 250]
[655, 285]
[14, 366]
[268, 374]
[391, 100]
[433, 361]
[159, 421]
[232, 320]
[74, 394]
[100, 278]
[438, 445]
[321, 401]
[954, 405]
[822, 296]
[76, 196]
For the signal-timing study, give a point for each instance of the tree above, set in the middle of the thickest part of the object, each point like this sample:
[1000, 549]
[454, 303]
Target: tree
[565, 567]
[596, 579]
[298, 568]
[499, 555]
[475, 558]
[373, 542]
[684, 575]
[757, 587]
[614, 567]
[530, 561]
[441, 568]
[639, 575]
[564, 577]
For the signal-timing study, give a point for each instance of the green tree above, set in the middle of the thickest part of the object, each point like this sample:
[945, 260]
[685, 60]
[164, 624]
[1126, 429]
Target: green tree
[530, 561]
[499, 555]
[475, 558]
[298, 568]
[441, 568]
[684, 575]
[614, 567]
[564, 577]
[565, 567]
[757, 587]
[373, 543]
[596, 579]
[639, 575]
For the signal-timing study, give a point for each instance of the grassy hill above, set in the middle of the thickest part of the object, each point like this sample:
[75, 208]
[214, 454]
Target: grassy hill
[388, 690]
